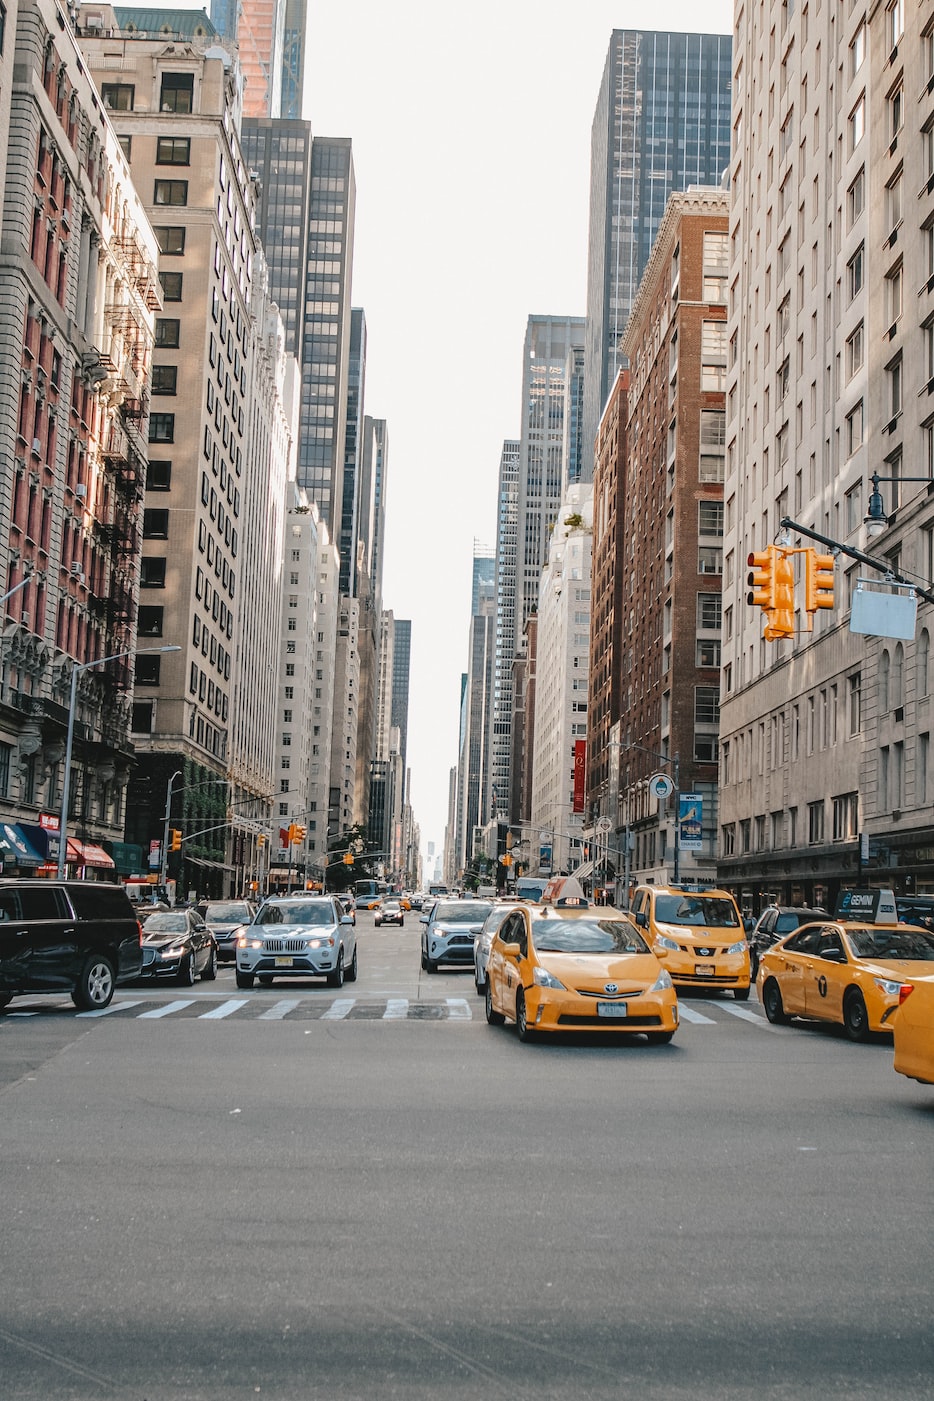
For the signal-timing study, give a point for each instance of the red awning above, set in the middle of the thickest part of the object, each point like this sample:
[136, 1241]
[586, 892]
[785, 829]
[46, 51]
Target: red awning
[88, 854]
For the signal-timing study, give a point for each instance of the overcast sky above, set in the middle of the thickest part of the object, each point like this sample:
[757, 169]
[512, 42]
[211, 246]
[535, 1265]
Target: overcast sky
[471, 138]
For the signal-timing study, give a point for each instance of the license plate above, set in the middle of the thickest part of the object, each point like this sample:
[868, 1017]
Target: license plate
[283, 963]
[611, 1009]
[704, 970]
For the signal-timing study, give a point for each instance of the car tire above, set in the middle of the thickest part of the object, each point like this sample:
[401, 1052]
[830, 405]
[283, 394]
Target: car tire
[659, 1038]
[265, 980]
[753, 965]
[95, 986]
[209, 973]
[424, 958]
[431, 965]
[481, 987]
[186, 974]
[855, 1016]
[244, 980]
[772, 1002]
[493, 1017]
[350, 975]
[741, 994]
[5, 999]
[522, 1020]
[336, 979]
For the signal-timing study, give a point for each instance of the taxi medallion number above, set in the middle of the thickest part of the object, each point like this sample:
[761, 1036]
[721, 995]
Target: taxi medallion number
[612, 1009]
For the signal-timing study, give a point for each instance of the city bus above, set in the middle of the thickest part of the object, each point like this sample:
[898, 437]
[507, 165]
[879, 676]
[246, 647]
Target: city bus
[369, 890]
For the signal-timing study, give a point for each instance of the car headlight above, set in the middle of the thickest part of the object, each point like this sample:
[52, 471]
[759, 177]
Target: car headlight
[889, 986]
[245, 942]
[319, 943]
[175, 951]
[737, 948]
[662, 982]
[543, 979]
[664, 942]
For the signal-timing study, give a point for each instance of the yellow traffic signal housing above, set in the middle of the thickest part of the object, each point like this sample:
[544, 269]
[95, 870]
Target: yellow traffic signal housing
[348, 858]
[761, 578]
[261, 840]
[175, 839]
[818, 583]
[781, 616]
[296, 833]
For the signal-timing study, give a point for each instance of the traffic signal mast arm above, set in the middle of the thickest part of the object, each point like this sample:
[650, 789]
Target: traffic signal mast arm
[880, 566]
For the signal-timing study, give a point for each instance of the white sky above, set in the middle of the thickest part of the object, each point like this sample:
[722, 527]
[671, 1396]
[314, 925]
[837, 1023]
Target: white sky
[471, 139]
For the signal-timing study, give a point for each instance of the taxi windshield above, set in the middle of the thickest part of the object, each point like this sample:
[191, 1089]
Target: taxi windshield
[914, 944]
[696, 910]
[588, 936]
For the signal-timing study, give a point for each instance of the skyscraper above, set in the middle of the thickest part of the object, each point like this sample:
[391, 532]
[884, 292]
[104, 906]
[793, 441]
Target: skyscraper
[270, 38]
[662, 123]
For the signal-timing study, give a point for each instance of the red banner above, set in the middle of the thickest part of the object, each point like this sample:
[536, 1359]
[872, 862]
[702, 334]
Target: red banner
[580, 768]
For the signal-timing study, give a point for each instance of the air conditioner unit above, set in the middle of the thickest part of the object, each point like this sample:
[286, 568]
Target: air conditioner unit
[81, 490]
[76, 569]
[37, 447]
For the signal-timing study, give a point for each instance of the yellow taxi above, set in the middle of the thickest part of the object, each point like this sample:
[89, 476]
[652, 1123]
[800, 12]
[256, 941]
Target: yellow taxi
[851, 970]
[573, 966]
[913, 1030]
[697, 934]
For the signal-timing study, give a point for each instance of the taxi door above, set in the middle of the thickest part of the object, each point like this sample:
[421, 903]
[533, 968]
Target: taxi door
[510, 965]
[827, 978]
[794, 959]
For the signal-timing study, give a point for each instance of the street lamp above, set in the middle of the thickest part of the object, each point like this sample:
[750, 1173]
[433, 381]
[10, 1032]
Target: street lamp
[876, 520]
[70, 739]
[676, 768]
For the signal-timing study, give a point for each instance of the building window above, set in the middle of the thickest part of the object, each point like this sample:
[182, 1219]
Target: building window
[857, 123]
[854, 273]
[708, 652]
[177, 92]
[164, 379]
[118, 97]
[152, 573]
[854, 429]
[709, 559]
[728, 835]
[893, 382]
[706, 705]
[713, 356]
[6, 755]
[171, 286]
[171, 238]
[856, 198]
[168, 330]
[855, 704]
[895, 23]
[173, 150]
[155, 525]
[854, 352]
[141, 723]
[159, 476]
[845, 816]
[150, 620]
[162, 427]
[148, 669]
[173, 192]
[815, 822]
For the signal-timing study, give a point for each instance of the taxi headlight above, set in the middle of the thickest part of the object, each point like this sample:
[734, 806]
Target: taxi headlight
[662, 982]
[889, 986]
[664, 942]
[737, 948]
[543, 979]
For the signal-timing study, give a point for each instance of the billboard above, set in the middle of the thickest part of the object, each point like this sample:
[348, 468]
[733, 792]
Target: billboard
[580, 769]
[691, 821]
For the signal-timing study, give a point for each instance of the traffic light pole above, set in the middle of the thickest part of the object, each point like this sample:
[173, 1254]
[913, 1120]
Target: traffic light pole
[881, 566]
[165, 827]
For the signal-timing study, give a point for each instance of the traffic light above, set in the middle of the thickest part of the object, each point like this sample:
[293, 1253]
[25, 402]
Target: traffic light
[818, 583]
[175, 839]
[781, 621]
[296, 833]
[260, 840]
[761, 578]
[348, 858]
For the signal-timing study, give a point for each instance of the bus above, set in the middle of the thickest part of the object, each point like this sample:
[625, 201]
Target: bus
[365, 890]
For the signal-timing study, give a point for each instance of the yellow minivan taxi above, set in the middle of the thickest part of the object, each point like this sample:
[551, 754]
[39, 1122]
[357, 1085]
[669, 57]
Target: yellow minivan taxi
[697, 934]
[913, 1029]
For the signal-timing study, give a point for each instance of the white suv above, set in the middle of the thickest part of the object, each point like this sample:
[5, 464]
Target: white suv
[298, 936]
[449, 931]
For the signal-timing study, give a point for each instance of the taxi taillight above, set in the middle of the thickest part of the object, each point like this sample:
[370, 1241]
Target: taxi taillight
[905, 991]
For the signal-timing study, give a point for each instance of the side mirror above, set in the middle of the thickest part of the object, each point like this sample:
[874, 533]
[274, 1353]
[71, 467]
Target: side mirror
[345, 919]
[833, 956]
[510, 950]
[749, 925]
[642, 919]
[423, 919]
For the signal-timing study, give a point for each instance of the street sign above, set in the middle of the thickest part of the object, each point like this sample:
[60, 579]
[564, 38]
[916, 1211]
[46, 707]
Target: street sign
[604, 824]
[661, 786]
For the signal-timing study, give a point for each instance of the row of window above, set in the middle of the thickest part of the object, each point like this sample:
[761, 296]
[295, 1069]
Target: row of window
[781, 831]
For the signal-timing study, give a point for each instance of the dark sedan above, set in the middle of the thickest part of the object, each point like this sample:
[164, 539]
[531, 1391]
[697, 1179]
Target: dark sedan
[178, 944]
[224, 919]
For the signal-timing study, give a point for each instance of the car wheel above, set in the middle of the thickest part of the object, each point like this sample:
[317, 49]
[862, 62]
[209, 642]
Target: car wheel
[5, 999]
[741, 994]
[95, 985]
[336, 979]
[522, 1020]
[659, 1038]
[431, 965]
[244, 980]
[855, 1016]
[265, 980]
[209, 972]
[351, 975]
[402, 924]
[772, 1002]
[753, 965]
[493, 1017]
[480, 986]
[186, 973]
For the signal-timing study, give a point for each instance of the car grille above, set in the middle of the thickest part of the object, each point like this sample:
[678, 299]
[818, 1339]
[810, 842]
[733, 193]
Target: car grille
[465, 940]
[283, 945]
[611, 1023]
[621, 996]
[725, 978]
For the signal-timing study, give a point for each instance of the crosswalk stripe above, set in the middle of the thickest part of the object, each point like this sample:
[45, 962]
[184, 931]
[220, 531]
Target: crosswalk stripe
[743, 1012]
[114, 1007]
[688, 1014]
[338, 1009]
[167, 1010]
[458, 1009]
[279, 1010]
[396, 1008]
[224, 1010]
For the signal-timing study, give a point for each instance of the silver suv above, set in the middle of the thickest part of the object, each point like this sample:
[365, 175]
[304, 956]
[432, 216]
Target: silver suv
[449, 931]
[298, 936]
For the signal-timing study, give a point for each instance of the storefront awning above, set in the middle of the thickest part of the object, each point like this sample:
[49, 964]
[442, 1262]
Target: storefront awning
[88, 854]
[584, 872]
[13, 840]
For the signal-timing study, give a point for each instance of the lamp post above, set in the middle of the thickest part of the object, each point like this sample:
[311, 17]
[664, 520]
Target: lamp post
[674, 765]
[70, 739]
[876, 519]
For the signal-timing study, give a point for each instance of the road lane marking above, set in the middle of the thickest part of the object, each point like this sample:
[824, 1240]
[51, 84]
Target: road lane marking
[224, 1010]
[397, 1008]
[167, 1010]
[688, 1014]
[458, 1009]
[743, 1012]
[279, 1010]
[338, 1009]
[114, 1007]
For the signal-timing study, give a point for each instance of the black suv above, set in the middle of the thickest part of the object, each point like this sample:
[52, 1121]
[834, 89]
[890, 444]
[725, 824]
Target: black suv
[773, 924]
[71, 936]
[916, 909]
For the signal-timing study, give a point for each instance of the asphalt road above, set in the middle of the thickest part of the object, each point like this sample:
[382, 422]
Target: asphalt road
[415, 1205]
